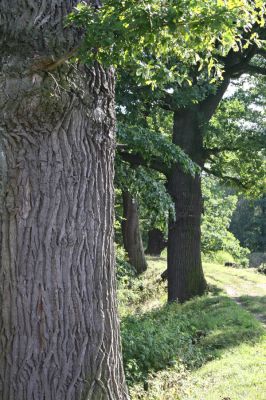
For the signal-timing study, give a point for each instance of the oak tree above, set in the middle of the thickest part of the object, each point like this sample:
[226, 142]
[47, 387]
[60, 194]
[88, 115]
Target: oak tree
[188, 51]
[59, 331]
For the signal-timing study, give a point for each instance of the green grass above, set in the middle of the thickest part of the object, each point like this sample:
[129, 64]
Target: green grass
[238, 375]
[243, 280]
[255, 304]
[209, 348]
[246, 285]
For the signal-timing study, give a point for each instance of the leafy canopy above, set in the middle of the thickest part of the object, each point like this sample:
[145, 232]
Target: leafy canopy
[154, 146]
[235, 137]
[146, 34]
[148, 189]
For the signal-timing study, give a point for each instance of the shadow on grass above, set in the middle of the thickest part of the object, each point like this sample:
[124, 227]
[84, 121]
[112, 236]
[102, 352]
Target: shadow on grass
[215, 290]
[241, 277]
[246, 279]
[191, 334]
[255, 304]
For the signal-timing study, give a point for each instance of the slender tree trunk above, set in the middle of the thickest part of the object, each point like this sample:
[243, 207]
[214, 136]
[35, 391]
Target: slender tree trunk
[263, 224]
[59, 332]
[131, 234]
[185, 273]
[156, 242]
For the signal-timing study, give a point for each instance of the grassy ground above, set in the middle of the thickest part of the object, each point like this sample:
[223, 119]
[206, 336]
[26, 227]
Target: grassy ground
[211, 348]
[245, 285]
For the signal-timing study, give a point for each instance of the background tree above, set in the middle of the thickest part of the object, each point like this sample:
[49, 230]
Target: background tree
[248, 223]
[151, 205]
[132, 238]
[160, 47]
[143, 158]
[59, 333]
[232, 144]
[235, 140]
[218, 242]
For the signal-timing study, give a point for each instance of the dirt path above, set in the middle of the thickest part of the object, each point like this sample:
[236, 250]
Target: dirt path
[246, 287]
[234, 296]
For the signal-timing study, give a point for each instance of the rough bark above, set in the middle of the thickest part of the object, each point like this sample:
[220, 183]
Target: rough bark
[185, 273]
[131, 234]
[156, 242]
[59, 332]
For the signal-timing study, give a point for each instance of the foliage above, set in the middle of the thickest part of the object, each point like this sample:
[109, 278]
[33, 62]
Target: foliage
[145, 35]
[154, 146]
[146, 184]
[232, 245]
[148, 188]
[156, 340]
[249, 223]
[124, 270]
[218, 210]
[235, 138]
[219, 257]
[219, 205]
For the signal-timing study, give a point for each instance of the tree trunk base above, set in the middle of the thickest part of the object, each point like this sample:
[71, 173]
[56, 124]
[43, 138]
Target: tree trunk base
[156, 243]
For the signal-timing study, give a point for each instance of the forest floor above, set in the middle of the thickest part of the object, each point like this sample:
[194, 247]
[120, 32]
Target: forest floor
[210, 348]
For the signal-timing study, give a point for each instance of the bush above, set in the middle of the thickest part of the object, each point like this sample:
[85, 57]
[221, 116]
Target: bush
[124, 270]
[218, 257]
[156, 340]
[233, 247]
[184, 336]
[219, 206]
[231, 252]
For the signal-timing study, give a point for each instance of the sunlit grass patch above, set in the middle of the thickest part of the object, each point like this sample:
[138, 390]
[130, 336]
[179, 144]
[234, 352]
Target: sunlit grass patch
[245, 285]
[238, 375]
[255, 304]
[174, 352]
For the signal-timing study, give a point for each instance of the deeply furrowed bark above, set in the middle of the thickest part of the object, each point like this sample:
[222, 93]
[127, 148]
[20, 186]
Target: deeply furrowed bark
[184, 266]
[59, 332]
[185, 273]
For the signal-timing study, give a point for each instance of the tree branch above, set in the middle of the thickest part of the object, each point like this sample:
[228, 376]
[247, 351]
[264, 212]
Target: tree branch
[136, 160]
[231, 179]
[235, 61]
[210, 104]
[254, 69]
[235, 70]
[218, 150]
[261, 52]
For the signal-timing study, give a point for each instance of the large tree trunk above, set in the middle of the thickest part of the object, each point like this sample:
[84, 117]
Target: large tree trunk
[131, 233]
[156, 242]
[185, 273]
[59, 332]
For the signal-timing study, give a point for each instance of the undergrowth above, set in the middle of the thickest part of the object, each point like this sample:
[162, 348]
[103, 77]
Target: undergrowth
[164, 343]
